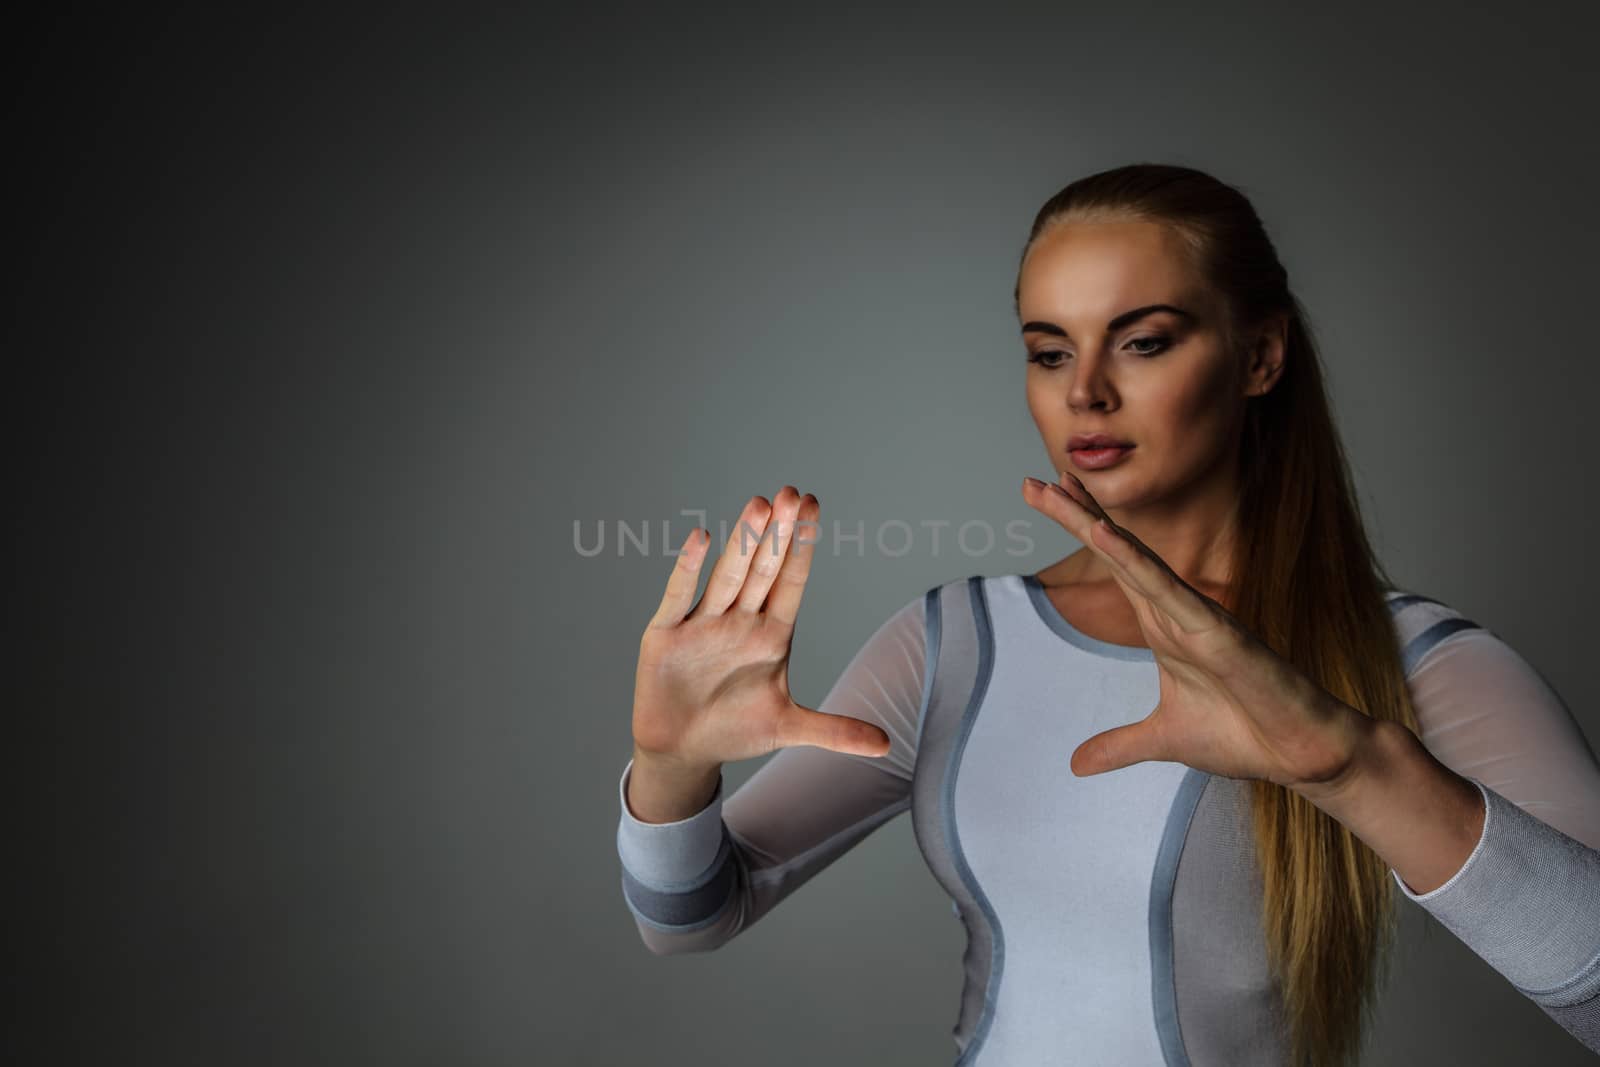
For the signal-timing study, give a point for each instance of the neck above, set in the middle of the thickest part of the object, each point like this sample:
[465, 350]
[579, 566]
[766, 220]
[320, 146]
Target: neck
[1194, 531]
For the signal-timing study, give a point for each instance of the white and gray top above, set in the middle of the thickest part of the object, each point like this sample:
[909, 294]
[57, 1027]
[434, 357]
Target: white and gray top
[1118, 914]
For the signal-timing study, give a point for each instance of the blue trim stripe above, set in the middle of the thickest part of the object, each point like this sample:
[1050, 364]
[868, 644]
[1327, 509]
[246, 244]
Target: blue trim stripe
[1163, 978]
[980, 614]
[670, 928]
[1425, 642]
[688, 906]
[1074, 636]
[932, 631]
[1405, 600]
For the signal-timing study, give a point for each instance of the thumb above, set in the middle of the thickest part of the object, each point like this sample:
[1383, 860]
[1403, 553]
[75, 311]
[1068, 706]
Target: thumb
[837, 733]
[1114, 749]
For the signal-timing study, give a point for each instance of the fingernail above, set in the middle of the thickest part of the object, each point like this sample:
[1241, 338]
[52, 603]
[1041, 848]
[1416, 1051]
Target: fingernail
[1036, 483]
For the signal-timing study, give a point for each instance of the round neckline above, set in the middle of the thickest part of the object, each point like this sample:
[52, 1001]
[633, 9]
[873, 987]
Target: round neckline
[1051, 616]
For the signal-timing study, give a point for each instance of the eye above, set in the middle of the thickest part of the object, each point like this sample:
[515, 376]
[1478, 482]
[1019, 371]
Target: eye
[1161, 342]
[1045, 358]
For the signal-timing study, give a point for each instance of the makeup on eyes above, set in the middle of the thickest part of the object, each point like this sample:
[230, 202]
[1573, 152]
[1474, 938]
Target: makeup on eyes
[1161, 341]
[1046, 357]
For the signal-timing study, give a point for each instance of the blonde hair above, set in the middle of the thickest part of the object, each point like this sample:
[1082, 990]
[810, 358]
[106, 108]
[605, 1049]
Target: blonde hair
[1307, 582]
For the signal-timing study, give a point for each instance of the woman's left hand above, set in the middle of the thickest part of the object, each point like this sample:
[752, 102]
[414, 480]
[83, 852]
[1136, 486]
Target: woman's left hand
[1229, 704]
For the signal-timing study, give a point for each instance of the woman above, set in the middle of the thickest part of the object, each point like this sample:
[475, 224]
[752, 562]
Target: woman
[1212, 882]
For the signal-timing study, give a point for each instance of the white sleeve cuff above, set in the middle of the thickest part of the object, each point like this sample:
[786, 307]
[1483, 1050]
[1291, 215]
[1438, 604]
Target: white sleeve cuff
[1527, 900]
[668, 855]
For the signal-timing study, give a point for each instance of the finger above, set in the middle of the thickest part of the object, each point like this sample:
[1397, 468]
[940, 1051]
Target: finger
[1114, 749]
[1148, 573]
[727, 577]
[1074, 488]
[1140, 570]
[675, 602]
[1080, 516]
[1054, 503]
[783, 603]
[837, 733]
[768, 555]
[1136, 568]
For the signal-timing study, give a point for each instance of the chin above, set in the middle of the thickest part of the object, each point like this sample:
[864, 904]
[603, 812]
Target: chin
[1112, 488]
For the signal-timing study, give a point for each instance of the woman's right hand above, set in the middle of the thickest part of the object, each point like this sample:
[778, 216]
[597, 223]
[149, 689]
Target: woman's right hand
[712, 684]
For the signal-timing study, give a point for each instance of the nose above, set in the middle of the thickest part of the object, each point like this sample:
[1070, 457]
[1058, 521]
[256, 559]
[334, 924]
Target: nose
[1091, 386]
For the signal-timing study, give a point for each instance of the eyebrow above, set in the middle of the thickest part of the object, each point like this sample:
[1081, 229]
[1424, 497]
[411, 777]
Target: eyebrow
[1115, 324]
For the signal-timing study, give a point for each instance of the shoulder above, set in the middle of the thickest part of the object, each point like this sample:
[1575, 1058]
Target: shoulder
[1447, 654]
[1425, 624]
[968, 604]
[1486, 712]
[1459, 670]
[958, 618]
[921, 619]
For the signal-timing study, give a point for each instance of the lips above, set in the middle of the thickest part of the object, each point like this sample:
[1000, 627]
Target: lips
[1095, 441]
[1098, 459]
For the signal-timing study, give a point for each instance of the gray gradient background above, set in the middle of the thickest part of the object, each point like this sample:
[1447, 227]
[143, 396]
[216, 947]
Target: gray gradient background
[329, 328]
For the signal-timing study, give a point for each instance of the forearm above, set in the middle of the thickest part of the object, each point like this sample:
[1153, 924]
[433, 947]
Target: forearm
[1521, 894]
[1421, 817]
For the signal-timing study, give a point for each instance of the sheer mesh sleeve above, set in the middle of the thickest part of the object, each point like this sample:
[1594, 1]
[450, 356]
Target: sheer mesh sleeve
[1486, 713]
[694, 884]
[1527, 899]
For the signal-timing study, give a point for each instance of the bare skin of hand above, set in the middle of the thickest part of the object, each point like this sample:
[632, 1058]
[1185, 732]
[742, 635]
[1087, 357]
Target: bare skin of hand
[712, 683]
[1229, 704]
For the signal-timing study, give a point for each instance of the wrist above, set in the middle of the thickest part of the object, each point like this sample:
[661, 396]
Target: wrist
[667, 765]
[664, 790]
[1419, 816]
[1369, 747]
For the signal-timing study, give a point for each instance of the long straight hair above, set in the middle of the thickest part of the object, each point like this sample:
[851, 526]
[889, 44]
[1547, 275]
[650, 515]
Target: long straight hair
[1306, 581]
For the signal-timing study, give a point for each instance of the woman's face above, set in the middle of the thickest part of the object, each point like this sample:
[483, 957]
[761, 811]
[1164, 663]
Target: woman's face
[1159, 381]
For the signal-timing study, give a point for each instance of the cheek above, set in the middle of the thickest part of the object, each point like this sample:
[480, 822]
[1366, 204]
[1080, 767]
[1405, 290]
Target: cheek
[1193, 414]
[1043, 405]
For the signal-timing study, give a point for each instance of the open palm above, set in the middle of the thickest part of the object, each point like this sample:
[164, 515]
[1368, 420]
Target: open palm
[712, 681]
[1229, 704]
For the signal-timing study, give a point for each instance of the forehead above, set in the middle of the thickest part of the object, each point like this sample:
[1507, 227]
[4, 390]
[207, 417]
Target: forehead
[1093, 270]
